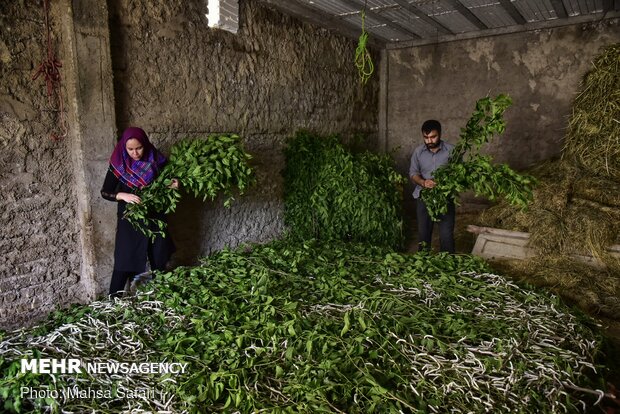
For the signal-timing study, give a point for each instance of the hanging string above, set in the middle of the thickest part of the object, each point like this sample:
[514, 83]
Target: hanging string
[363, 60]
[49, 68]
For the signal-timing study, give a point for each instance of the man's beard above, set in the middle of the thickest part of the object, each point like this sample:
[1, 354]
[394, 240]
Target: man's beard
[433, 145]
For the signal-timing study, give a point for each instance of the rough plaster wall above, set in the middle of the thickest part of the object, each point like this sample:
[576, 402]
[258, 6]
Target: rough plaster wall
[177, 78]
[39, 251]
[540, 70]
[91, 113]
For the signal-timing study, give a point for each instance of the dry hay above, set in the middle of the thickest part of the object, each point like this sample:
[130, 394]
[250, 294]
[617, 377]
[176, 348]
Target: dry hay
[551, 196]
[576, 207]
[600, 193]
[566, 216]
[593, 136]
[569, 214]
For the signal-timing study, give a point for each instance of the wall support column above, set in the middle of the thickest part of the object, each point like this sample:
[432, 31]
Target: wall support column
[87, 71]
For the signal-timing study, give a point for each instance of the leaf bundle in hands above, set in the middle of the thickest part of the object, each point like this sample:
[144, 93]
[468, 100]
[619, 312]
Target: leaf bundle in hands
[204, 168]
[467, 169]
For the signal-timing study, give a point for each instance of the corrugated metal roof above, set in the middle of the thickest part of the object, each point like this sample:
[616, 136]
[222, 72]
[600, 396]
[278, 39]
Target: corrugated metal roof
[391, 22]
[578, 7]
[332, 7]
[536, 11]
[405, 18]
[492, 14]
[379, 28]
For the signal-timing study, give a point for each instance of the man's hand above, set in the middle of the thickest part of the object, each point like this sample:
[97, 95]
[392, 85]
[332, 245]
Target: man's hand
[422, 182]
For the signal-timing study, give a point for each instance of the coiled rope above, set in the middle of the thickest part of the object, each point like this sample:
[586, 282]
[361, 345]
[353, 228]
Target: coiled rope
[363, 60]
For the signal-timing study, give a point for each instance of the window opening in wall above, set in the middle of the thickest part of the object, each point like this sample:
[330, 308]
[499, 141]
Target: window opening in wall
[223, 14]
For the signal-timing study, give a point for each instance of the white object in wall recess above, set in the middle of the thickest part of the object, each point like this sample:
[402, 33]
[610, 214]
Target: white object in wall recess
[223, 14]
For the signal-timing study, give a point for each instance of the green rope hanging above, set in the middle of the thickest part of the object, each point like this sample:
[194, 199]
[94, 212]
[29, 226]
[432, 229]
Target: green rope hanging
[363, 60]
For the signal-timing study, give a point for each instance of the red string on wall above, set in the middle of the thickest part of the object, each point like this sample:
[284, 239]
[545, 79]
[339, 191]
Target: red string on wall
[50, 69]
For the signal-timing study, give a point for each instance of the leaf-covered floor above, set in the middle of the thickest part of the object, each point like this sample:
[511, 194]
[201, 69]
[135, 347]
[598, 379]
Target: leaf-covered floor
[321, 327]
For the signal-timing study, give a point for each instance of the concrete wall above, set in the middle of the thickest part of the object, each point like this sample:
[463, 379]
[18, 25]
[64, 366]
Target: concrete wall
[540, 70]
[176, 78]
[157, 66]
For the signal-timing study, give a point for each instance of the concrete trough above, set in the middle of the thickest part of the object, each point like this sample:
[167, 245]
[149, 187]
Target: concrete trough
[499, 244]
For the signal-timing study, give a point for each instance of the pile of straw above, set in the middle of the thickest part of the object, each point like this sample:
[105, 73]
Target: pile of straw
[576, 207]
[593, 136]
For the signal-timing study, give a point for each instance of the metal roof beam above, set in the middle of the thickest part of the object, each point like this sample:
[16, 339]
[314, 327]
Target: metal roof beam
[360, 4]
[325, 20]
[541, 25]
[412, 8]
[559, 8]
[512, 11]
[473, 19]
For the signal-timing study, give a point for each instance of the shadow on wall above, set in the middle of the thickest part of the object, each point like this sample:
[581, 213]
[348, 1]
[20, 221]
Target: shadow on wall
[187, 227]
[201, 228]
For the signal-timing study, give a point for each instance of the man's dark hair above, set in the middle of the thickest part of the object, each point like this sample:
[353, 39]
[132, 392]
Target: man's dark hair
[431, 125]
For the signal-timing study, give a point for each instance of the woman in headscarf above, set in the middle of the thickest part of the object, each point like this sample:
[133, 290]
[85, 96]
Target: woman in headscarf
[134, 164]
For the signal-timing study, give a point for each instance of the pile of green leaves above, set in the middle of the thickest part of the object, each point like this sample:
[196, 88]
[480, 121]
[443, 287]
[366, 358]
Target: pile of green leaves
[204, 168]
[323, 327]
[470, 170]
[332, 194]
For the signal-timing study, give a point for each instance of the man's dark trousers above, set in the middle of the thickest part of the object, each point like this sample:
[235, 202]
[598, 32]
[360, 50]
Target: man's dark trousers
[425, 228]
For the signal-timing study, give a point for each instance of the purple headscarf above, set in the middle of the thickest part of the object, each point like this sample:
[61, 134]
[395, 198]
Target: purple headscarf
[136, 174]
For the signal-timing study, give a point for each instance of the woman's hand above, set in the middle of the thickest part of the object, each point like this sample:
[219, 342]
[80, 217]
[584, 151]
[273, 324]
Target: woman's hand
[128, 198]
[174, 184]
